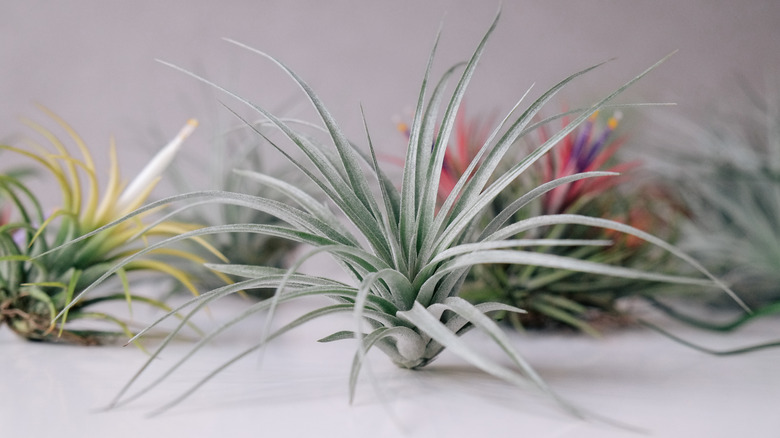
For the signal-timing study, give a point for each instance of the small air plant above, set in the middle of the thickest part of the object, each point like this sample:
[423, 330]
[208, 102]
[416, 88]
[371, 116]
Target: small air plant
[405, 254]
[550, 296]
[36, 281]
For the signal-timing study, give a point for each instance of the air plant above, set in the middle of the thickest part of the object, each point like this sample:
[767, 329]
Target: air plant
[728, 173]
[733, 188]
[554, 297]
[37, 282]
[405, 255]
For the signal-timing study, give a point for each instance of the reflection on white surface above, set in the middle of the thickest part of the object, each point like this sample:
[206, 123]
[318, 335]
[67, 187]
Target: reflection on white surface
[299, 387]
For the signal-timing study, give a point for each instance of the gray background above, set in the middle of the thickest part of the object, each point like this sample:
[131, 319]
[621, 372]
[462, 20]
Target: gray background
[93, 61]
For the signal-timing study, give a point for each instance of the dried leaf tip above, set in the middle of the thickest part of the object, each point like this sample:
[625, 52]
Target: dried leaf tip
[149, 174]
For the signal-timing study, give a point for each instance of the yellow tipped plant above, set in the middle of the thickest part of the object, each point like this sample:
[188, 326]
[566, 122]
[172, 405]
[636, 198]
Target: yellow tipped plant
[36, 283]
[404, 255]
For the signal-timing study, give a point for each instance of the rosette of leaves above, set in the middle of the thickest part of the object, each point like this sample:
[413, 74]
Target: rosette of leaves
[405, 255]
[37, 282]
[554, 297]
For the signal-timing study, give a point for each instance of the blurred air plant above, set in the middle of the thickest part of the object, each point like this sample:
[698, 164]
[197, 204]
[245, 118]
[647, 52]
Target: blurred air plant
[234, 157]
[37, 282]
[553, 296]
[728, 172]
[405, 254]
[735, 200]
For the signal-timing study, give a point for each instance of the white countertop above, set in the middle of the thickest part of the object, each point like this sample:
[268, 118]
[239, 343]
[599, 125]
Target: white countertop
[299, 388]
